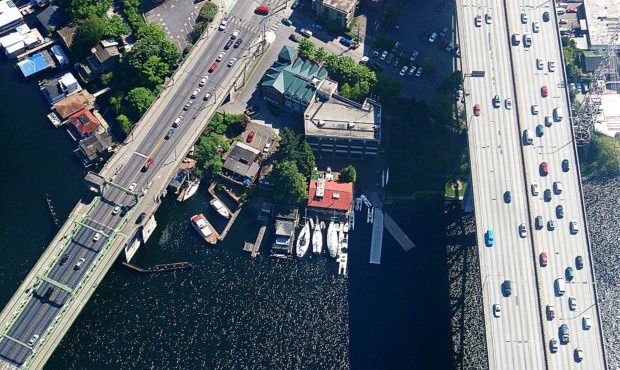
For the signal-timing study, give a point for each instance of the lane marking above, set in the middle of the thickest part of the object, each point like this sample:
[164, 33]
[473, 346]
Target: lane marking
[141, 155]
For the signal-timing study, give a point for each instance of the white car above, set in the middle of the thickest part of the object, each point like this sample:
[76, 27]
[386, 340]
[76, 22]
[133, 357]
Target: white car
[535, 27]
[572, 303]
[219, 57]
[557, 187]
[524, 18]
[203, 81]
[79, 263]
[432, 37]
[418, 73]
[235, 34]
[586, 322]
[384, 55]
[551, 66]
[527, 40]
[535, 109]
[488, 18]
[196, 92]
[33, 340]
[403, 71]
[535, 191]
[508, 103]
[223, 25]
[232, 62]
[116, 210]
[132, 186]
[539, 64]
[522, 231]
[497, 310]
[97, 237]
[411, 70]
[574, 227]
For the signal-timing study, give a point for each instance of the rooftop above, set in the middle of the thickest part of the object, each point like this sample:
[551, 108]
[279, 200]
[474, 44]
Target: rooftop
[608, 122]
[330, 195]
[52, 18]
[241, 158]
[342, 5]
[9, 14]
[67, 34]
[343, 118]
[36, 63]
[602, 16]
[84, 121]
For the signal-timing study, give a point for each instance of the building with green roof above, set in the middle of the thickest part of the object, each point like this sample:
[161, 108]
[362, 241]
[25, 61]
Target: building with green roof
[292, 81]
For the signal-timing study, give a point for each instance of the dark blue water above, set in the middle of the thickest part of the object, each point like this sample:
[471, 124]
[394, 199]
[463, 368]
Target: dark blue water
[229, 311]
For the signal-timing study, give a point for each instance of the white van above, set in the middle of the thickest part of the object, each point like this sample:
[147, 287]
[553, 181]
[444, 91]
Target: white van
[527, 137]
[560, 11]
[558, 114]
[560, 286]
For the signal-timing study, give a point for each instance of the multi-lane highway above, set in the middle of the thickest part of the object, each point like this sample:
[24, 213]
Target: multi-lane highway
[504, 40]
[36, 315]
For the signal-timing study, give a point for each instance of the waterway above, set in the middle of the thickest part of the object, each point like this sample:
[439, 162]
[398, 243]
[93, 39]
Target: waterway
[229, 311]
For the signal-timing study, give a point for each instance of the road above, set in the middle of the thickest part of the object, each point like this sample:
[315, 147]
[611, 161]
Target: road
[519, 339]
[54, 294]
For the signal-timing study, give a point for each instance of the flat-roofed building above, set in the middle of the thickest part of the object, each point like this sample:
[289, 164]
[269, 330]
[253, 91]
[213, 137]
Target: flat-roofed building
[10, 16]
[603, 18]
[334, 125]
[608, 121]
[339, 11]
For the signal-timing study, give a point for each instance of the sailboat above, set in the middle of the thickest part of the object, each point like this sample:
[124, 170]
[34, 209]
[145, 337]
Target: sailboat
[317, 239]
[303, 240]
[220, 207]
[332, 239]
[192, 188]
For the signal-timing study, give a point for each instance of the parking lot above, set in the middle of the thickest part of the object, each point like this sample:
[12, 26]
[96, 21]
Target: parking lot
[176, 17]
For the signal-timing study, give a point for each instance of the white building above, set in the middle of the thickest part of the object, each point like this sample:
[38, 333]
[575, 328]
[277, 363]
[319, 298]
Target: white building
[603, 17]
[608, 122]
[22, 39]
[10, 15]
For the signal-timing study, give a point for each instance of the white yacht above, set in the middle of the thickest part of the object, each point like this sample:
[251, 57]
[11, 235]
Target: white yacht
[317, 239]
[220, 207]
[303, 240]
[192, 188]
[332, 239]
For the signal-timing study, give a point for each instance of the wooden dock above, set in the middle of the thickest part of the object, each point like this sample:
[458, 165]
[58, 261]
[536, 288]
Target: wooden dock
[161, 267]
[254, 247]
[231, 221]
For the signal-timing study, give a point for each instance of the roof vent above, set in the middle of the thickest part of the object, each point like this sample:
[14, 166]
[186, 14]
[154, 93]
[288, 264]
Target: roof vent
[320, 188]
[336, 196]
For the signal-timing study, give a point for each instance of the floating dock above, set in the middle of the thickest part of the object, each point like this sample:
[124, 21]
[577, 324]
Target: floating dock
[160, 268]
[50, 207]
[392, 227]
[377, 238]
[254, 247]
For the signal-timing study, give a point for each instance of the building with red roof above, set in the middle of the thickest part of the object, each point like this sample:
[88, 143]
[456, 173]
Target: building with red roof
[330, 197]
[83, 123]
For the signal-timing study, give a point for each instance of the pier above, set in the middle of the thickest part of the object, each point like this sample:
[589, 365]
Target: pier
[161, 267]
[377, 238]
[392, 227]
[50, 207]
[254, 247]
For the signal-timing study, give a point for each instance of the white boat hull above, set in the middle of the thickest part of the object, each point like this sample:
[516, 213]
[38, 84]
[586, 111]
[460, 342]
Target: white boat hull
[303, 241]
[317, 239]
[332, 239]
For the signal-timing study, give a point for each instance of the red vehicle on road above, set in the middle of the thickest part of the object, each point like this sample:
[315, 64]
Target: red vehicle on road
[544, 169]
[147, 164]
[571, 10]
[543, 259]
[544, 91]
[250, 137]
[262, 10]
[477, 110]
[213, 67]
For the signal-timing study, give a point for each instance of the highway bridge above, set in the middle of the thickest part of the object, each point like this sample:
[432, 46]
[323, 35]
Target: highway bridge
[60, 284]
[530, 217]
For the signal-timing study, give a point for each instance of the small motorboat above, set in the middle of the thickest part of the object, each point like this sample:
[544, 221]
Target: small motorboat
[317, 239]
[54, 119]
[220, 208]
[303, 240]
[203, 227]
[192, 188]
[332, 239]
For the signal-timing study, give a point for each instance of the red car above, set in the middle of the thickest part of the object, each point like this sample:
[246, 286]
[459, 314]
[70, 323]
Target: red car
[250, 137]
[213, 67]
[571, 10]
[477, 110]
[543, 259]
[262, 10]
[544, 91]
[544, 169]
[147, 164]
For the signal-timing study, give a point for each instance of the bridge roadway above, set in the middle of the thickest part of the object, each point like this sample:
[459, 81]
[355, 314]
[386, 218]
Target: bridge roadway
[519, 339]
[54, 292]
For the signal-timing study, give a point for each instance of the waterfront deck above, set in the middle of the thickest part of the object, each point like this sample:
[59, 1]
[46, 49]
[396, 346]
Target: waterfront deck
[377, 238]
[254, 247]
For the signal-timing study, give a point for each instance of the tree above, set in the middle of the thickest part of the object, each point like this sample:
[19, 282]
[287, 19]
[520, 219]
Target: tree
[348, 174]
[124, 124]
[208, 12]
[288, 144]
[107, 78]
[87, 35]
[137, 101]
[306, 48]
[81, 9]
[151, 58]
[291, 184]
[116, 102]
[388, 89]
[116, 27]
[320, 54]
[304, 159]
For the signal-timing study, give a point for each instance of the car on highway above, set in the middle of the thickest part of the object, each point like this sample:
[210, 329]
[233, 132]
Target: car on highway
[250, 137]
[516, 39]
[553, 345]
[489, 238]
[508, 103]
[557, 187]
[234, 35]
[522, 231]
[574, 227]
[548, 121]
[544, 260]
[540, 130]
[403, 70]
[539, 64]
[147, 164]
[569, 273]
[116, 210]
[96, 237]
[133, 185]
[305, 32]
[551, 66]
[524, 18]
[535, 109]
[586, 322]
[414, 55]
[432, 37]
[565, 165]
[203, 81]
[477, 109]
[559, 211]
[33, 340]
[262, 10]
[507, 196]
[535, 27]
[478, 20]
[188, 104]
[488, 18]
[195, 93]
[538, 222]
[579, 262]
[232, 62]
[527, 40]
[547, 195]
[535, 189]
[229, 43]
[558, 114]
[212, 68]
[64, 259]
[140, 217]
[223, 24]
[544, 169]
[550, 312]
[79, 263]
[506, 288]
[237, 43]
[497, 310]
[207, 96]
[545, 17]
[496, 101]
[169, 133]
[220, 57]
[572, 303]
[527, 137]
[177, 121]
[287, 22]
[544, 91]
[550, 225]
[578, 354]
[564, 335]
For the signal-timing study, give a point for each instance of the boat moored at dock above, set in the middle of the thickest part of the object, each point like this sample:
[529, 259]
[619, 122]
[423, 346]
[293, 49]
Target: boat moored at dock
[317, 239]
[332, 239]
[205, 229]
[303, 240]
[192, 188]
[220, 208]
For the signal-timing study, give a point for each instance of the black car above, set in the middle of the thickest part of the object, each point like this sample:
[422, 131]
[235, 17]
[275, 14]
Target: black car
[140, 218]
[565, 165]
[547, 195]
[238, 43]
[169, 134]
[228, 44]
[507, 197]
[579, 262]
[546, 16]
[64, 259]
[506, 288]
[559, 211]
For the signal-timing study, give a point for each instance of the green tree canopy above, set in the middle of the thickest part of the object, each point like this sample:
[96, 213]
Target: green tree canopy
[88, 34]
[290, 184]
[288, 144]
[294, 148]
[137, 101]
[81, 9]
[348, 174]
[208, 153]
[116, 27]
[306, 48]
[124, 125]
[151, 58]
[305, 159]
